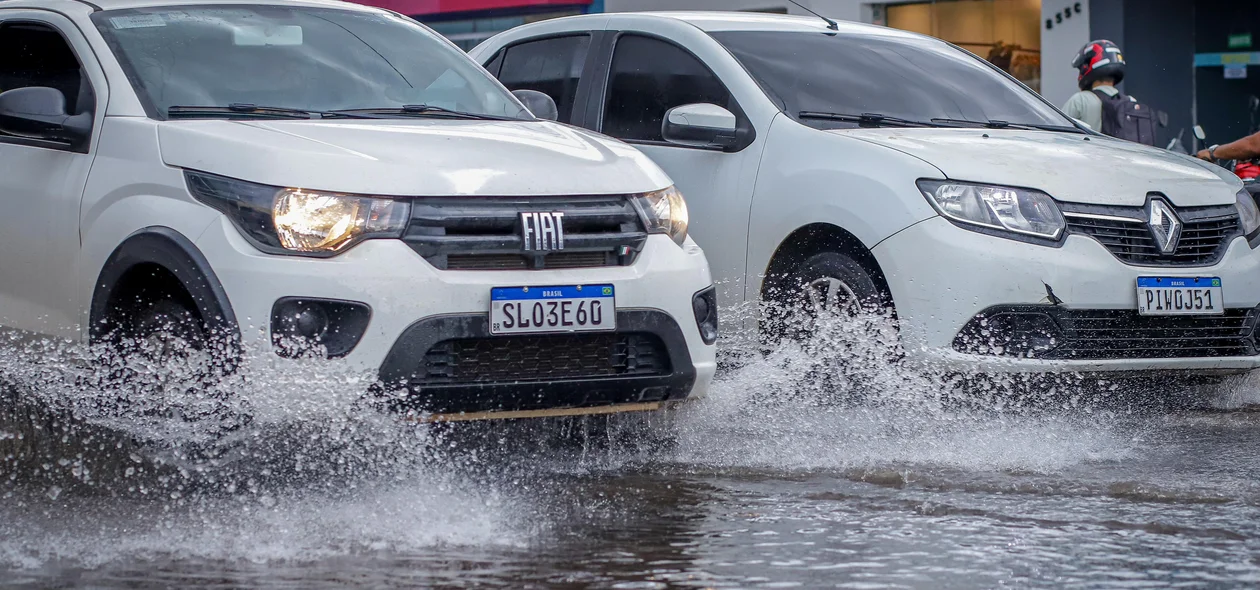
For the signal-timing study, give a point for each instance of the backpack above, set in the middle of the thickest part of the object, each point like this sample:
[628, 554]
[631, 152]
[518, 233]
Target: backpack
[1126, 118]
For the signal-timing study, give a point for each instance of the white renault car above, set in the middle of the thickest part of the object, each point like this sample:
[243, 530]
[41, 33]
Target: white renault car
[836, 163]
[311, 174]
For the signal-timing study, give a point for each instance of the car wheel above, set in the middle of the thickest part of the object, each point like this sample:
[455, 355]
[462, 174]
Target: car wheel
[826, 283]
[165, 362]
[166, 330]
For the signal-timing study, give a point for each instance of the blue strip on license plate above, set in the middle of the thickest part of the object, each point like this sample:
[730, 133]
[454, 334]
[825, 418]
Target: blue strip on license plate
[561, 308]
[562, 292]
[1179, 282]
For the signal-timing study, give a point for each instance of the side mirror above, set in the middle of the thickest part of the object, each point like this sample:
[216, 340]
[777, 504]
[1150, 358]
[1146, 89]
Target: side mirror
[538, 103]
[1199, 134]
[38, 112]
[699, 125]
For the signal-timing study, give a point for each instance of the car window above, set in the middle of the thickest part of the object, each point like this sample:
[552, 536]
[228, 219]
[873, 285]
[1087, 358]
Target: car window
[35, 54]
[900, 76]
[648, 77]
[295, 57]
[495, 64]
[551, 66]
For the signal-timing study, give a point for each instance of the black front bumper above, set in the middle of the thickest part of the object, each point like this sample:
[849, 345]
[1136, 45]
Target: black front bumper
[1056, 332]
[452, 364]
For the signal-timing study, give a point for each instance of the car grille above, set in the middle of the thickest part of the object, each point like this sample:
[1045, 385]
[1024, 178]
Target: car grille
[524, 262]
[1088, 334]
[1205, 235]
[484, 233]
[522, 359]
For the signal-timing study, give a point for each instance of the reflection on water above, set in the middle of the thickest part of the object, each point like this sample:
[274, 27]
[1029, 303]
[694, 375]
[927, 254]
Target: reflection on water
[830, 464]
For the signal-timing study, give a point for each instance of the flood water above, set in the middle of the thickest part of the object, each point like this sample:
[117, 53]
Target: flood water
[799, 470]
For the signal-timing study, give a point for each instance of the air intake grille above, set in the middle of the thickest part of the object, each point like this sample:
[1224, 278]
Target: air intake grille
[484, 233]
[1100, 334]
[522, 359]
[1205, 235]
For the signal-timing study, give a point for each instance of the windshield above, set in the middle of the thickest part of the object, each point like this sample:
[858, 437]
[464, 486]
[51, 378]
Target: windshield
[904, 78]
[295, 57]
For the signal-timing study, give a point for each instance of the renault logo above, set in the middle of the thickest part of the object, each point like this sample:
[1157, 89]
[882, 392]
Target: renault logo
[542, 231]
[1165, 227]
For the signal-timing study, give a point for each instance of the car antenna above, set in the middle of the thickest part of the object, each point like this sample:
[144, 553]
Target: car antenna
[831, 24]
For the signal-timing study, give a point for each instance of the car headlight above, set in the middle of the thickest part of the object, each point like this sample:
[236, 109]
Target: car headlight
[663, 212]
[1248, 213]
[298, 221]
[1002, 208]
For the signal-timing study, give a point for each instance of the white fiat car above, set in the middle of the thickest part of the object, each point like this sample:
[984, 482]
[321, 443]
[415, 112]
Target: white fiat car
[840, 163]
[322, 176]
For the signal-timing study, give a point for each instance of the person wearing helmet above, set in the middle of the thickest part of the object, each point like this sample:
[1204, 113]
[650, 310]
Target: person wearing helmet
[1101, 67]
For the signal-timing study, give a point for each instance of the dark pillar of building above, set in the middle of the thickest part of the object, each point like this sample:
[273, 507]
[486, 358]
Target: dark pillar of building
[1106, 20]
[1158, 44]
[1223, 104]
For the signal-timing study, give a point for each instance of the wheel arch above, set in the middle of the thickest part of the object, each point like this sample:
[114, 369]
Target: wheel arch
[176, 255]
[812, 238]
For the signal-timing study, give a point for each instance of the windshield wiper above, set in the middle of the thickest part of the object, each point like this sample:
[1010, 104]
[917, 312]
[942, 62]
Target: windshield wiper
[999, 124]
[238, 109]
[990, 124]
[864, 119]
[1062, 128]
[425, 110]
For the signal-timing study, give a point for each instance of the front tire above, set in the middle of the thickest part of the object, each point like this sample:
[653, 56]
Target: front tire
[825, 283]
[164, 362]
[166, 330]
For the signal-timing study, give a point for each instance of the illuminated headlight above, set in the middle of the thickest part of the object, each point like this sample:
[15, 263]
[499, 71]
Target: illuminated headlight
[288, 220]
[311, 221]
[664, 212]
[1001, 208]
[1248, 213]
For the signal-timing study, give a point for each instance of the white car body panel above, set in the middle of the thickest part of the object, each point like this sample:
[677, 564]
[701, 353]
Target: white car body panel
[130, 189]
[1071, 168]
[412, 157]
[810, 176]
[47, 186]
[863, 180]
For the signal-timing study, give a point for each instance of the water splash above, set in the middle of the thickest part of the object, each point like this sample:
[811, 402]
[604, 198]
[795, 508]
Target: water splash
[846, 397]
[106, 456]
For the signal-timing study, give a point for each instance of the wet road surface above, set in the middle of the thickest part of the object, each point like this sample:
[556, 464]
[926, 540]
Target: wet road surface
[767, 484]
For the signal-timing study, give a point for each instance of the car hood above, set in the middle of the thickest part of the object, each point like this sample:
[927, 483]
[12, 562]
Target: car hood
[412, 157]
[1069, 167]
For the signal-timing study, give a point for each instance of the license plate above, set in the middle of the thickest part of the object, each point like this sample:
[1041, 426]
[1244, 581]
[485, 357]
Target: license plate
[571, 308]
[1179, 296]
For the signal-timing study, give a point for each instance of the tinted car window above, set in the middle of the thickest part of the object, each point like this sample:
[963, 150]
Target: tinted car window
[896, 76]
[295, 57]
[551, 66]
[648, 77]
[33, 54]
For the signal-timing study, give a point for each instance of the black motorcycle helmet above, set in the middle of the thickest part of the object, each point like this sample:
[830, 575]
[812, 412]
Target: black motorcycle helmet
[1097, 60]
